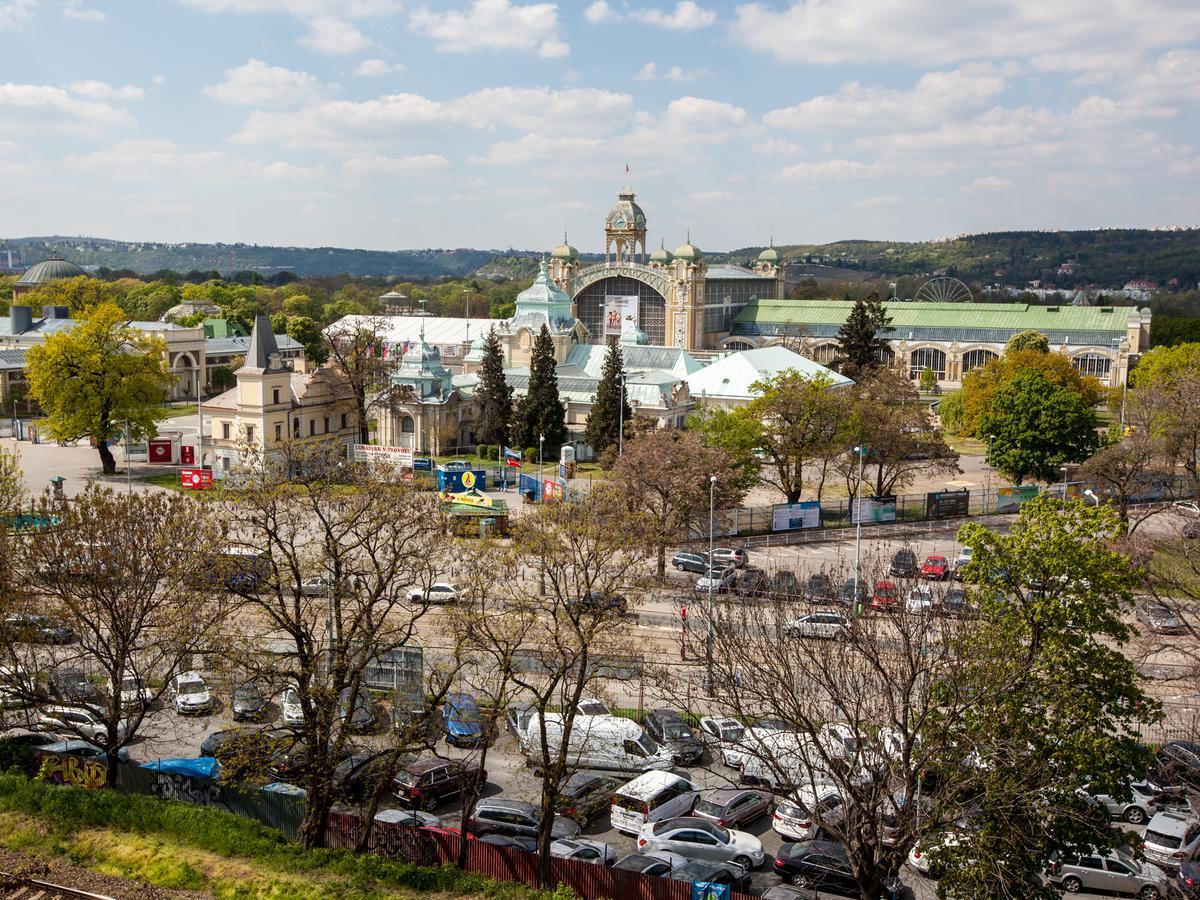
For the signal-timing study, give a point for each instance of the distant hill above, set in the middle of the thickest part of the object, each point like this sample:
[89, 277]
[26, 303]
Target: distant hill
[1103, 258]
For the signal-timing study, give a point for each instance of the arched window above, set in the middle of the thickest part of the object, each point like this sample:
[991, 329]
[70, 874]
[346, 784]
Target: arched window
[738, 345]
[824, 353]
[887, 355]
[927, 358]
[408, 425]
[973, 359]
[1096, 364]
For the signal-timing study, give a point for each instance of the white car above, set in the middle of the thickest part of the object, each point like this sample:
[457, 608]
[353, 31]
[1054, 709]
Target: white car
[289, 704]
[800, 816]
[583, 850]
[840, 741]
[918, 856]
[15, 686]
[133, 692]
[439, 592]
[919, 600]
[720, 580]
[78, 721]
[189, 694]
[697, 838]
[723, 736]
[1188, 507]
[828, 625]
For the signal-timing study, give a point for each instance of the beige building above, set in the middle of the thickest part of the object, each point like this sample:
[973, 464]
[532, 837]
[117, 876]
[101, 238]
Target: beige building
[273, 403]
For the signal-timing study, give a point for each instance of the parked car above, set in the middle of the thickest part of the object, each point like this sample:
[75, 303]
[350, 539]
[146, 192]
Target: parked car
[923, 857]
[133, 691]
[438, 592]
[425, 782]
[697, 838]
[785, 585]
[360, 773]
[828, 625]
[723, 734]
[585, 796]
[817, 864]
[291, 759]
[189, 694]
[669, 729]
[1171, 838]
[322, 586]
[819, 589]
[253, 747]
[651, 797]
[961, 562]
[413, 817]
[523, 842]
[35, 629]
[76, 720]
[718, 580]
[1177, 762]
[732, 807]
[904, 564]
[72, 685]
[600, 602]
[954, 603]
[289, 705]
[592, 706]
[356, 709]
[686, 561]
[1143, 803]
[249, 702]
[1187, 880]
[702, 871]
[885, 596]
[800, 816]
[460, 719]
[848, 593]
[1187, 507]
[919, 600]
[515, 818]
[81, 750]
[752, 582]
[583, 850]
[730, 556]
[657, 864]
[1109, 872]
[1159, 618]
[935, 568]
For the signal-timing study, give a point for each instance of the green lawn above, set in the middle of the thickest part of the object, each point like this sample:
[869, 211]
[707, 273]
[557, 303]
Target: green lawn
[174, 410]
[966, 446]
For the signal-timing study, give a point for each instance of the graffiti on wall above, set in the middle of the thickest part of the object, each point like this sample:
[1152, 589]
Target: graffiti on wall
[85, 773]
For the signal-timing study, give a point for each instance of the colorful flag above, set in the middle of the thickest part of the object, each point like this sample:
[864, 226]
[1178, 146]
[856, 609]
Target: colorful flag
[512, 457]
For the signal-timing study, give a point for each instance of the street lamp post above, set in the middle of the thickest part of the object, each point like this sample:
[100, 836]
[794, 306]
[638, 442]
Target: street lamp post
[1090, 493]
[1064, 470]
[708, 641]
[856, 510]
[621, 420]
[541, 477]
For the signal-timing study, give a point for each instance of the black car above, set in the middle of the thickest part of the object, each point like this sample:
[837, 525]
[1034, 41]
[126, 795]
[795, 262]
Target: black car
[356, 709]
[954, 603]
[668, 728]
[644, 865]
[72, 686]
[1188, 880]
[785, 585]
[599, 602]
[701, 870]
[585, 796]
[819, 589]
[817, 864]
[511, 841]
[35, 629]
[752, 582]
[249, 702]
[360, 773]
[289, 763]
[515, 818]
[904, 564]
[247, 749]
[846, 595]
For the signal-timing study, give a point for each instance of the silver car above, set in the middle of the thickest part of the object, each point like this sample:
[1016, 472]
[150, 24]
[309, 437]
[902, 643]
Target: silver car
[1143, 802]
[1114, 873]
[697, 838]
[718, 579]
[829, 625]
[1170, 839]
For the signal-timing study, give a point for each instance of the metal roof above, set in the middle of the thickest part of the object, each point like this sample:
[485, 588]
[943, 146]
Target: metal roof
[725, 272]
[589, 359]
[241, 344]
[12, 360]
[50, 269]
[732, 375]
[404, 329]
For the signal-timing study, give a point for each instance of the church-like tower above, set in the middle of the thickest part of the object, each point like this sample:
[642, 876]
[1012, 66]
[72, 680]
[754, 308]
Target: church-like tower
[625, 231]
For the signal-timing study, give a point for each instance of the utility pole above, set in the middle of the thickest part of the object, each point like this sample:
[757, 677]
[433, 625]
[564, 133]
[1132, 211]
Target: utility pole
[621, 420]
[708, 640]
[128, 462]
[856, 510]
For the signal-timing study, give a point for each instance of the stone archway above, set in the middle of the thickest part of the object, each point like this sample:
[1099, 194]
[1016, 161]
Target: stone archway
[592, 285]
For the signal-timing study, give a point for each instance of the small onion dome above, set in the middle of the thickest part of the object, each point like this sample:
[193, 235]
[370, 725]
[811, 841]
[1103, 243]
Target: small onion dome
[635, 336]
[50, 269]
[478, 349]
[565, 251]
[689, 252]
[770, 255]
[661, 255]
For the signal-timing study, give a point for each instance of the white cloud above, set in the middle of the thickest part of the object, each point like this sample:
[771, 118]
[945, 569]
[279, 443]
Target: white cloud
[74, 9]
[44, 98]
[302, 8]
[883, 31]
[686, 16]
[329, 34]
[99, 90]
[1104, 112]
[830, 169]
[935, 96]
[649, 72]
[376, 68]
[14, 12]
[493, 25]
[257, 84]
[141, 159]
[708, 198]
[391, 166]
[537, 147]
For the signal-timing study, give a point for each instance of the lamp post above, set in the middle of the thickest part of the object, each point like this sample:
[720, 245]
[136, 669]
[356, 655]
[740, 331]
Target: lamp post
[1064, 470]
[856, 510]
[128, 463]
[1092, 495]
[467, 294]
[621, 420]
[541, 477]
[708, 640]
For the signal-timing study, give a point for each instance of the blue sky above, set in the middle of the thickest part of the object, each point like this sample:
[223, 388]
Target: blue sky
[492, 123]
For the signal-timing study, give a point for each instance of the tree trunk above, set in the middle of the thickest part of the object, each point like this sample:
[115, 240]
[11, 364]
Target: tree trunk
[107, 460]
[316, 814]
[364, 432]
[662, 560]
[111, 763]
[793, 496]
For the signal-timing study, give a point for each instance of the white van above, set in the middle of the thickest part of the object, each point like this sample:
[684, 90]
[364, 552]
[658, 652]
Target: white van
[650, 797]
[596, 742]
[781, 760]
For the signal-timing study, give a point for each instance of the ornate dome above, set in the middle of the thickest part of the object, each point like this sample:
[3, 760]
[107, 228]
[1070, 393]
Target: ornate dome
[50, 269]
[689, 252]
[625, 214]
[770, 255]
[661, 255]
[478, 348]
[565, 251]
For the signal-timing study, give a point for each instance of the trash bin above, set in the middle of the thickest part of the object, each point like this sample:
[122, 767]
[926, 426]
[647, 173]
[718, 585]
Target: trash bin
[528, 495]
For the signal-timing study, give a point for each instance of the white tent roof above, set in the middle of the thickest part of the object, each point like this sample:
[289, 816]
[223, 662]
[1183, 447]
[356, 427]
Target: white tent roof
[731, 376]
[405, 329]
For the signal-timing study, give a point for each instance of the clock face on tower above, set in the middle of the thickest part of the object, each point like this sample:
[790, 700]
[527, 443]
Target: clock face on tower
[619, 222]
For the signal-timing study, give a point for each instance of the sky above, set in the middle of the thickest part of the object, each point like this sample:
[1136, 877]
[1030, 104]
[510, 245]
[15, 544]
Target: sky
[395, 124]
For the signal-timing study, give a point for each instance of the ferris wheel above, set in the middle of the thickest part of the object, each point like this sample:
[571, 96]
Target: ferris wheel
[943, 290]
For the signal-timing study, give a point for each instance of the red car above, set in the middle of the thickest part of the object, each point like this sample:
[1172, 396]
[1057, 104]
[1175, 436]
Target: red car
[935, 568]
[885, 596]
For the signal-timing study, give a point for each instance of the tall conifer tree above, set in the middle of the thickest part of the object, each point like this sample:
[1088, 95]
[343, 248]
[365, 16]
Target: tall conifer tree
[859, 343]
[495, 395]
[541, 412]
[604, 421]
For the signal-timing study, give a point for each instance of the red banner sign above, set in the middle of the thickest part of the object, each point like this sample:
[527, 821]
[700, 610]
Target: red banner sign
[160, 451]
[196, 479]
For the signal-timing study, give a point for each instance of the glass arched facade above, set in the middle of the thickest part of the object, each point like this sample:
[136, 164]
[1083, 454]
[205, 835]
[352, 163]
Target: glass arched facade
[1095, 364]
[973, 359]
[652, 307]
[824, 353]
[927, 358]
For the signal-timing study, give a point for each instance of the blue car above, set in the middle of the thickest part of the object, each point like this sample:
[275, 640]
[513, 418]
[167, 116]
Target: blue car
[460, 716]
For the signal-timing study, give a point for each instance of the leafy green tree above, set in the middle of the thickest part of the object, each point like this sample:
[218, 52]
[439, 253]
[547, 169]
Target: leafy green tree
[980, 384]
[859, 344]
[1167, 380]
[1028, 340]
[494, 394]
[541, 410]
[609, 406]
[928, 380]
[308, 332]
[95, 378]
[78, 293]
[950, 412]
[1035, 426]
[737, 435]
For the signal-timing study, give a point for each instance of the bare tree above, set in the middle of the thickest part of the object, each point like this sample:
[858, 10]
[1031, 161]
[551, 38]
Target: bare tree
[358, 349]
[123, 572]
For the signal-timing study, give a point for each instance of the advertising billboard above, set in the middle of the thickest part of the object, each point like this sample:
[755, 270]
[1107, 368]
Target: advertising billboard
[947, 504]
[1013, 498]
[873, 510]
[790, 516]
[196, 479]
[620, 315]
[398, 457]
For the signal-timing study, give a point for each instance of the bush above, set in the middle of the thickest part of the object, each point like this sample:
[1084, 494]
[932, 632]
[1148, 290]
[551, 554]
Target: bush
[530, 454]
[608, 457]
[485, 451]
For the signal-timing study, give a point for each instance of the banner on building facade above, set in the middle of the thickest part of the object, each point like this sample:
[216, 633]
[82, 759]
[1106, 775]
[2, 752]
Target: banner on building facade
[398, 457]
[620, 315]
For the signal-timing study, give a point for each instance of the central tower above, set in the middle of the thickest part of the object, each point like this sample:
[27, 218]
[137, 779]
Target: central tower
[625, 231]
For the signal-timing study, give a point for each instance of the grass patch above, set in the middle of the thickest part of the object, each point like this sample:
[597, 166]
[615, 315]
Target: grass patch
[177, 845]
[172, 412]
[1175, 567]
[966, 446]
